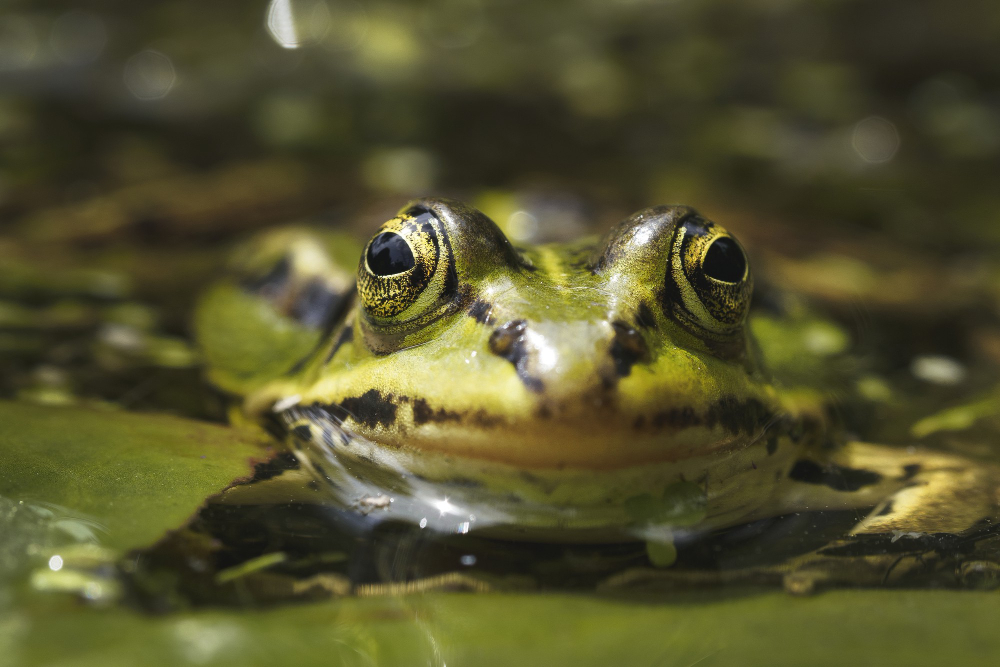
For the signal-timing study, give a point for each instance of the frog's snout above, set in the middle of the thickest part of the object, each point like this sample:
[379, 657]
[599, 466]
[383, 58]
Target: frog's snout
[569, 359]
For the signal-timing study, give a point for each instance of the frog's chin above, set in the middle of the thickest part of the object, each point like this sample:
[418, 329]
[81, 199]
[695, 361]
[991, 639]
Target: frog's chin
[453, 493]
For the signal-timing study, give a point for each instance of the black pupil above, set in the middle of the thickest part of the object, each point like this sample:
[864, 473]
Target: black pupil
[725, 261]
[388, 254]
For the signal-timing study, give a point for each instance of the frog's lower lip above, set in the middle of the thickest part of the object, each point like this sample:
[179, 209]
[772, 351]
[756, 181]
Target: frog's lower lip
[601, 445]
[591, 451]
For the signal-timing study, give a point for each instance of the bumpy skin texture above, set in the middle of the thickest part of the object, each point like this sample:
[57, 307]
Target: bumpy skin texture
[602, 376]
[582, 356]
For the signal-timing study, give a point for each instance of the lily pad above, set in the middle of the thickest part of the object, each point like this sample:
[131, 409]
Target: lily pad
[132, 476]
[846, 627]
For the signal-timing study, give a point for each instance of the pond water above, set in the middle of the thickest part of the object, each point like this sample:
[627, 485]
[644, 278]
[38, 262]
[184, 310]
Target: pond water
[851, 147]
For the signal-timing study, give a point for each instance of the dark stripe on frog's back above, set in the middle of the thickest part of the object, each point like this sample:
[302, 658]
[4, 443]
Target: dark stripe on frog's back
[315, 305]
[270, 283]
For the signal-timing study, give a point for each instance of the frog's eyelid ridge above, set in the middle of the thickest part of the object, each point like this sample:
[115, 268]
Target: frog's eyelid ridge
[387, 296]
[650, 228]
[712, 308]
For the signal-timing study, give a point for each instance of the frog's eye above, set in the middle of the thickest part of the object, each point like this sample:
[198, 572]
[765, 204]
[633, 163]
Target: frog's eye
[708, 278]
[403, 270]
[389, 254]
[724, 261]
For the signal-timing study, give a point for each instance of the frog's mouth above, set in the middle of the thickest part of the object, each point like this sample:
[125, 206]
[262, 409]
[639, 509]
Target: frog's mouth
[458, 494]
[596, 435]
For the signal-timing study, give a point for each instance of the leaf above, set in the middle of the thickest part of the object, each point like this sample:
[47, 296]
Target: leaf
[487, 630]
[134, 476]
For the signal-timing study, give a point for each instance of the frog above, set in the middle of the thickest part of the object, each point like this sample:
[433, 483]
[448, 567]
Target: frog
[603, 390]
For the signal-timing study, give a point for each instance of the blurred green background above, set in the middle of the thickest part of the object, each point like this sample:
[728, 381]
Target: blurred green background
[856, 113]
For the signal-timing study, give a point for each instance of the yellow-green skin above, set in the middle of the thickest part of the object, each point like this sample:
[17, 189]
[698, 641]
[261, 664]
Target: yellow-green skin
[611, 380]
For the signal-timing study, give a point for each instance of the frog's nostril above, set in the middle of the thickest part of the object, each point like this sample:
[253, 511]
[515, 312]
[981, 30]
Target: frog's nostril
[507, 340]
[510, 341]
[627, 347]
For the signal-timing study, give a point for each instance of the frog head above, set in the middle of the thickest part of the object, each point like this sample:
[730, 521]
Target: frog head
[605, 353]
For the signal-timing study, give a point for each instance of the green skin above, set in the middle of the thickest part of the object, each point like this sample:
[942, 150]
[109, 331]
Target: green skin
[605, 389]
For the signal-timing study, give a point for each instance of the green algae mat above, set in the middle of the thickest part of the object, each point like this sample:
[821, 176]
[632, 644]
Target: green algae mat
[98, 483]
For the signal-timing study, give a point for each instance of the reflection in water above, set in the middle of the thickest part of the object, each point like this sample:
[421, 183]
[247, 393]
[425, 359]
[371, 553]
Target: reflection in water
[59, 548]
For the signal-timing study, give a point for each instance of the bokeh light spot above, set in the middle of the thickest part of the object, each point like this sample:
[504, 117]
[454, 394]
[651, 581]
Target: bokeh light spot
[875, 140]
[522, 226]
[149, 75]
[296, 23]
[938, 369]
